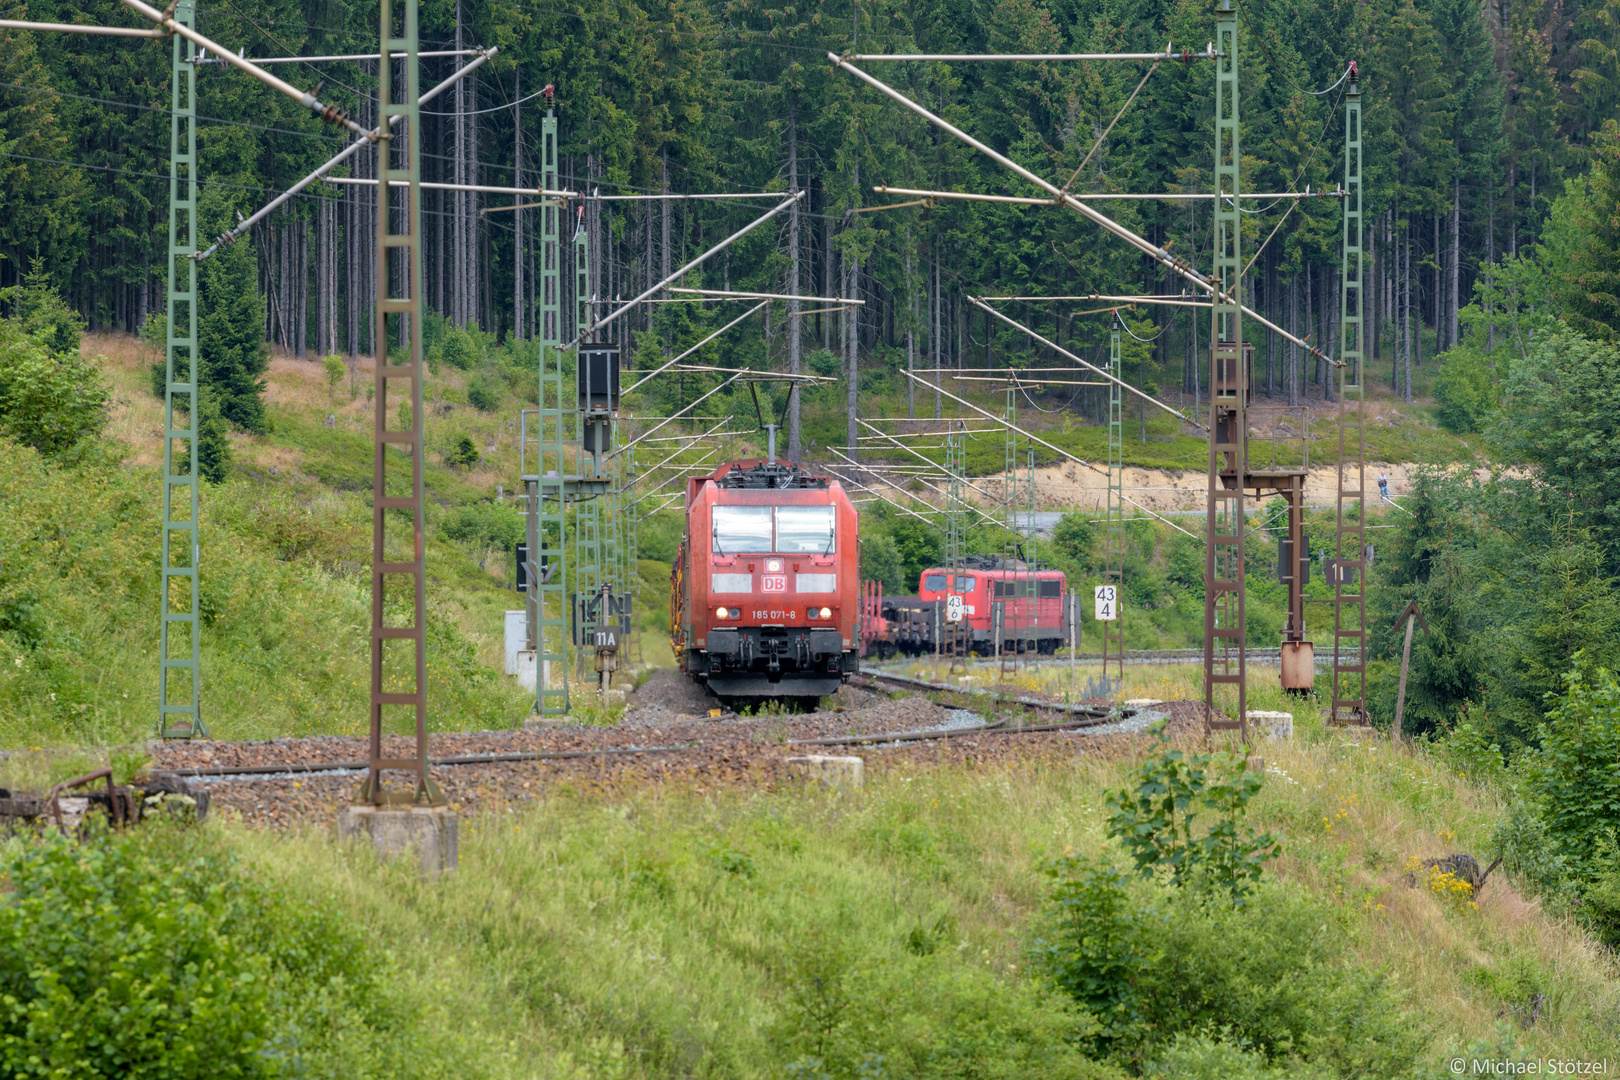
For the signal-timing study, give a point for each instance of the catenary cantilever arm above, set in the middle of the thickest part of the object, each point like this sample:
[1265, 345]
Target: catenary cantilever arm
[339, 158]
[1159, 255]
[327, 112]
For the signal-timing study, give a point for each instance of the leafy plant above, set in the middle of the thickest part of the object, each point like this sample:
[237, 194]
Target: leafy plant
[1161, 822]
[1570, 778]
[1156, 964]
[334, 368]
[49, 399]
[463, 455]
[485, 390]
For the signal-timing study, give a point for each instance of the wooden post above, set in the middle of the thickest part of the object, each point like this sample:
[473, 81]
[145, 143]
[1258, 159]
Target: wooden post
[1411, 615]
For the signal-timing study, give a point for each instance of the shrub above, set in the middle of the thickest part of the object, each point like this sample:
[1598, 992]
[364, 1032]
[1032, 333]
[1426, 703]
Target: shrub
[152, 954]
[113, 965]
[49, 400]
[1570, 777]
[1271, 978]
[880, 561]
[334, 369]
[1162, 821]
[485, 524]
[463, 455]
[42, 313]
[1466, 389]
[485, 390]
[462, 349]
[844, 1017]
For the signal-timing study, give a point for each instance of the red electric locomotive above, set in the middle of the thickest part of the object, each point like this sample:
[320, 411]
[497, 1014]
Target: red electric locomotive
[764, 591]
[1027, 603]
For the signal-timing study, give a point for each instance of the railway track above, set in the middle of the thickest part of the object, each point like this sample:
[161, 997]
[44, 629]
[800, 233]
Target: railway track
[300, 782]
[708, 738]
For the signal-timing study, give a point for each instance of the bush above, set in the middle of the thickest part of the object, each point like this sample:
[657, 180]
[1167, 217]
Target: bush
[152, 954]
[463, 455]
[844, 1017]
[113, 964]
[1466, 389]
[462, 349]
[1184, 818]
[1272, 978]
[49, 400]
[485, 524]
[880, 561]
[334, 369]
[485, 390]
[42, 313]
[1570, 777]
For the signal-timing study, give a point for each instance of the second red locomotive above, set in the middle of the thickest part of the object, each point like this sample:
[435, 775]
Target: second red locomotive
[764, 590]
[1026, 606]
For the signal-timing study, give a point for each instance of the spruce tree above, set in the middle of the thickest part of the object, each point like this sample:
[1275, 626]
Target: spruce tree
[213, 446]
[230, 332]
[1592, 281]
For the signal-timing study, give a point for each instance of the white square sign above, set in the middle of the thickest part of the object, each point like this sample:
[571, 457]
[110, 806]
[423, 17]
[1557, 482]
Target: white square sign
[1107, 603]
[953, 609]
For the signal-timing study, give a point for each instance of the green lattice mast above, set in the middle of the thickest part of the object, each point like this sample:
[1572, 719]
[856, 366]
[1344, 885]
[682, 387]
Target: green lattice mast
[1113, 633]
[180, 654]
[556, 437]
[1350, 600]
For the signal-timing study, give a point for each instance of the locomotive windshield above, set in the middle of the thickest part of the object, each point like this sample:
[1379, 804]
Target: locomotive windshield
[800, 530]
[804, 530]
[742, 529]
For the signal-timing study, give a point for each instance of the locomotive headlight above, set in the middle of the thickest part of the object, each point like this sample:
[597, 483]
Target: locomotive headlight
[826, 613]
[773, 566]
[719, 612]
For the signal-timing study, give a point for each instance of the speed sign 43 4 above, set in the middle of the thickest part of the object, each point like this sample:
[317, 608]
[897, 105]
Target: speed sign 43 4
[1107, 603]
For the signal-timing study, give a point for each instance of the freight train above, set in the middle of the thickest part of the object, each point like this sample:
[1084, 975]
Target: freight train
[1027, 604]
[764, 596]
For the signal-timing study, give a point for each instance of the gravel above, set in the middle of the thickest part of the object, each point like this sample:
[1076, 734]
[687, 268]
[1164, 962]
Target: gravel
[667, 722]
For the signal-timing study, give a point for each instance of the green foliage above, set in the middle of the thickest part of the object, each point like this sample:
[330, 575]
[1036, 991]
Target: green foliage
[1591, 279]
[334, 369]
[44, 315]
[213, 443]
[230, 329]
[464, 348]
[1184, 818]
[1074, 542]
[463, 455]
[880, 561]
[485, 524]
[485, 390]
[50, 400]
[1158, 966]
[1206, 1057]
[154, 954]
[113, 963]
[1562, 416]
[1466, 389]
[1471, 750]
[1570, 777]
[920, 547]
[845, 1018]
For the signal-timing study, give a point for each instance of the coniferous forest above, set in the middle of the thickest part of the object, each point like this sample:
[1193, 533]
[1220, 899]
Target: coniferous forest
[1477, 117]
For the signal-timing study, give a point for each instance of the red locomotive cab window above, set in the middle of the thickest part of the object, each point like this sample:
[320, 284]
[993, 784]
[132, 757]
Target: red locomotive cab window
[933, 582]
[964, 583]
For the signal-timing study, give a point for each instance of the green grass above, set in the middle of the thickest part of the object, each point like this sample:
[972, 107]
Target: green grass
[673, 931]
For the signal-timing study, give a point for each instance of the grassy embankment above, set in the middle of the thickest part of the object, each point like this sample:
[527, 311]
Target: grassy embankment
[722, 933]
[286, 547]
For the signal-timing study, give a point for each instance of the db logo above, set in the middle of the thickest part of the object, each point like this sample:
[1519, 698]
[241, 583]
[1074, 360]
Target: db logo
[774, 583]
